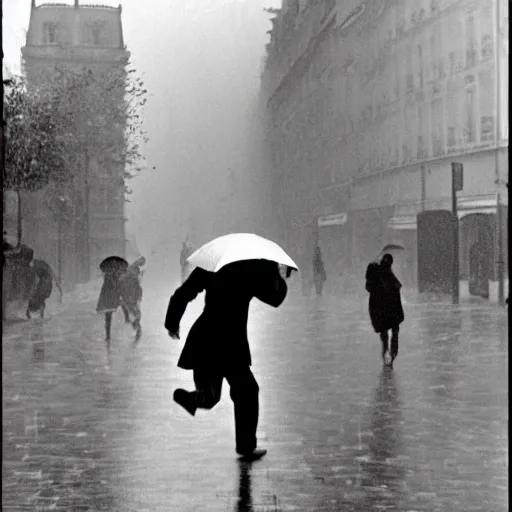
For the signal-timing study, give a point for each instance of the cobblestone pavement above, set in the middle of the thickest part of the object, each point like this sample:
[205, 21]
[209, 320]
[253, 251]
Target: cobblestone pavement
[342, 433]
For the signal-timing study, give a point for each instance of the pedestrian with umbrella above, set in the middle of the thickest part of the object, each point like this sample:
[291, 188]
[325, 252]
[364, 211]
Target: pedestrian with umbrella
[385, 305]
[109, 300]
[232, 270]
[41, 287]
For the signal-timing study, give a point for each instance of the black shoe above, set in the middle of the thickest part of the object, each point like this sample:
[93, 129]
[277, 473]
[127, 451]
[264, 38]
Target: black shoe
[252, 455]
[186, 400]
[138, 333]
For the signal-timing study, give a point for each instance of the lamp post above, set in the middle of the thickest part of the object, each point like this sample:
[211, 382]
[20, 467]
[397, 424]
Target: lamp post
[499, 220]
[62, 206]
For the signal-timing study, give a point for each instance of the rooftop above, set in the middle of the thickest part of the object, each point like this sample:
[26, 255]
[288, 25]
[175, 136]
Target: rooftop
[77, 4]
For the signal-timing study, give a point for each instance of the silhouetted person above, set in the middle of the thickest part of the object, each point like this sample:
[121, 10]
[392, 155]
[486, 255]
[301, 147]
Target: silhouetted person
[385, 304]
[41, 287]
[131, 294]
[319, 276]
[217, 346]
[110, 294]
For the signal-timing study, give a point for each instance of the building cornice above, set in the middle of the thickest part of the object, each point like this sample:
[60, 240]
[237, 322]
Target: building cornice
[75, 53]
[446, 156]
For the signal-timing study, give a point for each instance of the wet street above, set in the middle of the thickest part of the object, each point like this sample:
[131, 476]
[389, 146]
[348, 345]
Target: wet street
[342, 433]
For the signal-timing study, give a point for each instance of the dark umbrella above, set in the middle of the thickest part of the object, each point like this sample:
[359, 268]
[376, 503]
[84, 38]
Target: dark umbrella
[113, 264]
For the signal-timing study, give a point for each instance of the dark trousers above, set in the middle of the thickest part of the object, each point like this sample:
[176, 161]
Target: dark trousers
[384, 336]
[244, 392]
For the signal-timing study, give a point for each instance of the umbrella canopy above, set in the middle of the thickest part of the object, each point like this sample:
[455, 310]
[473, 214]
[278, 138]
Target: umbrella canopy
[113, 264]
[388, 248]
[238, 247]
[393, 247]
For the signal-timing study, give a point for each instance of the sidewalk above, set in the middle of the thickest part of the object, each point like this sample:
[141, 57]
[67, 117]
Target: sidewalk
[53, 385]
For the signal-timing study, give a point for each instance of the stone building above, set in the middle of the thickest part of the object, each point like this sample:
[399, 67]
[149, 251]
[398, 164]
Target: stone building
[92, 227]
[368, 103]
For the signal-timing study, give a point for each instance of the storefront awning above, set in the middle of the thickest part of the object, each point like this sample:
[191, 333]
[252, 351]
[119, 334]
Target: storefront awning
[335, 219]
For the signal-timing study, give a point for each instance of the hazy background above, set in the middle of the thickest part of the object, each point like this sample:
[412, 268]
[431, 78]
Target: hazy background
[201, 61]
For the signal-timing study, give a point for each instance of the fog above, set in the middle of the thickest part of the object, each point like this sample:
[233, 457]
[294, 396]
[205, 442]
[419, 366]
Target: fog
[201, 66]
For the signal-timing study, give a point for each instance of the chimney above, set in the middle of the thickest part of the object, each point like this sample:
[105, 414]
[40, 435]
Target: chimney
[33, 4]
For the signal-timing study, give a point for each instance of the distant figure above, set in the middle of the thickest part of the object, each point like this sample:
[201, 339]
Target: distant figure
[479, 270]
[385, 304]
[319, 276]
[217, 347]
[110, 295]
[131, 293]
[41, 287]
[186, 251]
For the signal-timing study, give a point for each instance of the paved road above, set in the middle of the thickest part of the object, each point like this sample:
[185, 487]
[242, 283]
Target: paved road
[342, 433]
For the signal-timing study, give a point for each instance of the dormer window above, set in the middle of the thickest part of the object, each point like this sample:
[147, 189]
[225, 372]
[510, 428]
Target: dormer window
[50, 33]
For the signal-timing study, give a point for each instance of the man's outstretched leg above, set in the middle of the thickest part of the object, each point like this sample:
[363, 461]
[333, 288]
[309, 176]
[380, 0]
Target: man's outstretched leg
[207, 393]
[244, 393]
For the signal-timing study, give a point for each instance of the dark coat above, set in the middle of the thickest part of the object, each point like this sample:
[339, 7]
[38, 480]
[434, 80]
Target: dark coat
[110, 294]
[385, 304]
[318, 266]
[218, 338]
[130, 289]
[42, 285]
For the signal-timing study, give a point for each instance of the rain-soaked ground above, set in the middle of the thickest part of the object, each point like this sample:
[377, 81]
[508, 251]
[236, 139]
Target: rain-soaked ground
[343, 434]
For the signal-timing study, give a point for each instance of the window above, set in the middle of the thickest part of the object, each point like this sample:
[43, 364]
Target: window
[452, 99]
[437, 127]
[470, 42]
[487, 106]
[433, 57]
[419, 52]
[420, 149]
[409, 78]
[486, 29]
[97, 33]
[50, 33]
[470, 128]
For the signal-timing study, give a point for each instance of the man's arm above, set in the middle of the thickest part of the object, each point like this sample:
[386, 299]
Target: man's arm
[186, 293]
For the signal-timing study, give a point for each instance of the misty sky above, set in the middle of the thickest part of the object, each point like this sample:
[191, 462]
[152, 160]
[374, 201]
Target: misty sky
[201, 66]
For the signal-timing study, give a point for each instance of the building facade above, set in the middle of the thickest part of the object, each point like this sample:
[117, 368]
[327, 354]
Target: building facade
[92, 225]
[368, 104]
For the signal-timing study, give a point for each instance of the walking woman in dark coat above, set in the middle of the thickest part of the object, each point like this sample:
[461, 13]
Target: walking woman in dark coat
[42, 286]
[385, 304]
[217, 346]
[110, 295]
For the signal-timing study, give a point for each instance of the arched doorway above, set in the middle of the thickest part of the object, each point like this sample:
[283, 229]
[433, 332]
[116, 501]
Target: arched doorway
[477, 252]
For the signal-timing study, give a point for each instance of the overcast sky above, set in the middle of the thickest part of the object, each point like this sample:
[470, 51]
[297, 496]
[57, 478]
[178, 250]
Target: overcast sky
[201, 67]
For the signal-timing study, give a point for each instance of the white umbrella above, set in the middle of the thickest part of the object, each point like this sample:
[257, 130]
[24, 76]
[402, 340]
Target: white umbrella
[238, 247]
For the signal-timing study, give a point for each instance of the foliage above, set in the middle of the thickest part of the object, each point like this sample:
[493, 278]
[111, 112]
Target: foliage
[101, 114]
[33, 155]
[64, 117]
